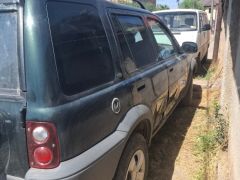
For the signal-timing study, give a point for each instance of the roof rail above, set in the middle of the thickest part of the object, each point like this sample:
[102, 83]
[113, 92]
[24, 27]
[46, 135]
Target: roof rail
[139, 3]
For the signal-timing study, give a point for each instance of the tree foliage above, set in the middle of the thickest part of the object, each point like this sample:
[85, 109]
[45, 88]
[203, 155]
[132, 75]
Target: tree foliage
[149, 6]
[191, 4]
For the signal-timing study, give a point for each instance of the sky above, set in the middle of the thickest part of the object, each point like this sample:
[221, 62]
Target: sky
[171, 3]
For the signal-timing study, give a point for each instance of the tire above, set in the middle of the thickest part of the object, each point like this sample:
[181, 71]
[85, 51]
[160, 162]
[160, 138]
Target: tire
[199, 65]
[134, 159]
[187, 99]
[204, 60]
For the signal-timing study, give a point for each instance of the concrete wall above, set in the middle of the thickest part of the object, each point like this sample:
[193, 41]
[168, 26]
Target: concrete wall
[229, 56]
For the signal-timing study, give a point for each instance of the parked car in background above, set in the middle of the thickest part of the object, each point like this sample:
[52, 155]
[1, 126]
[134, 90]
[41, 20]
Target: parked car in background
[84, 86]
[189, 25]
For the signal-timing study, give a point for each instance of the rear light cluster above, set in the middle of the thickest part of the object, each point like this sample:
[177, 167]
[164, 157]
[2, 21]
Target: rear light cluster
[43, 145]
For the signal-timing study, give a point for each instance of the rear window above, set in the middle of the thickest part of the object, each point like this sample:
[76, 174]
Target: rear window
[81, 47]
[180, 21]
[9, 73]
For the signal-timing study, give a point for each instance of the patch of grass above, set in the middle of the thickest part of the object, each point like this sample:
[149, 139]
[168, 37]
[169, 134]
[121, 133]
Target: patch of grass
[200, 175]
[221, 127]
[214, 136]
[216, 132]
[206, 142]
[208, 75]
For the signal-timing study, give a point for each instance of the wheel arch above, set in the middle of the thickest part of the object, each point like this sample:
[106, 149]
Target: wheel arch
[138, 120]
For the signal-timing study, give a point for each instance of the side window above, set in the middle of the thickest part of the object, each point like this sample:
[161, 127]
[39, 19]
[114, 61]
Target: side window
[136, 46]
[81, 47]
[201, 21]
[165, 45]
[206, 19]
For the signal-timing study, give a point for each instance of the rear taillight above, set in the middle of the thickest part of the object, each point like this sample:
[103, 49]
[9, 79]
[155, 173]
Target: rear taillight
[43, 145]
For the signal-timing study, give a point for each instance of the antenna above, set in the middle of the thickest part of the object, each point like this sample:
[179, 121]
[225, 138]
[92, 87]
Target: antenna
[139, 3]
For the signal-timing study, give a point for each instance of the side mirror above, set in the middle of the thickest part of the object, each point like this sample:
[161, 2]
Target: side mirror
[189, 47]
[206, 27]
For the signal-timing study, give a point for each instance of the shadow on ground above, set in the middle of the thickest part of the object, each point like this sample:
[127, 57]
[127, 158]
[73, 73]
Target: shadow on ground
[202, 71]
[168, 141]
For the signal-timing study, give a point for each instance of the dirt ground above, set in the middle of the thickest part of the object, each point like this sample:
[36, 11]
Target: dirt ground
[172, 153]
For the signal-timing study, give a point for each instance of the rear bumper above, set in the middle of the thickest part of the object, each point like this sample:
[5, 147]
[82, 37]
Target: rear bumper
[99, 162]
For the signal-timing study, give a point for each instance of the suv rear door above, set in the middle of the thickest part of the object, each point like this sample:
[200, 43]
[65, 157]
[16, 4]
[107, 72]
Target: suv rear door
[13, 157]
[94, 97]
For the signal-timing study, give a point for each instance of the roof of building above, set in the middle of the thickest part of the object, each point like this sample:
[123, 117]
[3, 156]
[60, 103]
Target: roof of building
[208, 3]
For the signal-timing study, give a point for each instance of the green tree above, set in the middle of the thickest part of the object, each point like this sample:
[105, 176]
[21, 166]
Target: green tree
[162, 7]
[149, 6]
[152, 7]
[191, 4]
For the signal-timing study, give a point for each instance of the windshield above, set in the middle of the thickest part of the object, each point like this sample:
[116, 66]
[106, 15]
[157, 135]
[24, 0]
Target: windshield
[180, 21]
[9, 76]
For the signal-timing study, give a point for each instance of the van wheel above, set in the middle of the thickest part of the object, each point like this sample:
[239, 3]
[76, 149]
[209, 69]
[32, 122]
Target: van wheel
[198, 66]
[133, 164]
[205, 58]
[187, 100]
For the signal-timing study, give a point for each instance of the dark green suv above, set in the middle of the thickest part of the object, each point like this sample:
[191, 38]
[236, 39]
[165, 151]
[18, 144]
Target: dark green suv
[84, 86]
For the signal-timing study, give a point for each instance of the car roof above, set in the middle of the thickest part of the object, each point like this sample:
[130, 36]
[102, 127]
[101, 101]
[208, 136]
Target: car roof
[179, 10]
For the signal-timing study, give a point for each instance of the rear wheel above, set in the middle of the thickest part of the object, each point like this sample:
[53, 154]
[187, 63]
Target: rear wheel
[134, 161]
[204, 60]
[199, 65]
[187, 100]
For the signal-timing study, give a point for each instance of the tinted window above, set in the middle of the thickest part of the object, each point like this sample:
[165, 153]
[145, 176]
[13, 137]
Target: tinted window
[9, 76]
[203, 20]
[165, 46]
[138, 41]
[81, 48]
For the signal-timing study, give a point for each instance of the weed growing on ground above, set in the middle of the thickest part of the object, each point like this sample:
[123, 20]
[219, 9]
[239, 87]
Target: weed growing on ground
[211, 139]
[208, 75]
[200, 174]
[206, 142]
[221, 126]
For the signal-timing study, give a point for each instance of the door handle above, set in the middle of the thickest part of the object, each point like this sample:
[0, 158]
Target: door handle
[140, 88]
[171, 69]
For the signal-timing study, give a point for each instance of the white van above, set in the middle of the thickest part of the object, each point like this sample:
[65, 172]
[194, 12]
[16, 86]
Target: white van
[189, 25]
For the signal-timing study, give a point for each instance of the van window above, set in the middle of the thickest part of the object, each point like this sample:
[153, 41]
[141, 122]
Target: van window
[9, 73]
[81, 47]
[179, 21]
[165, 46]
[137, 40]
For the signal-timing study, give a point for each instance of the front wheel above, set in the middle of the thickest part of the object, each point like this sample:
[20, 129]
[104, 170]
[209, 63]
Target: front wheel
[134, 161]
